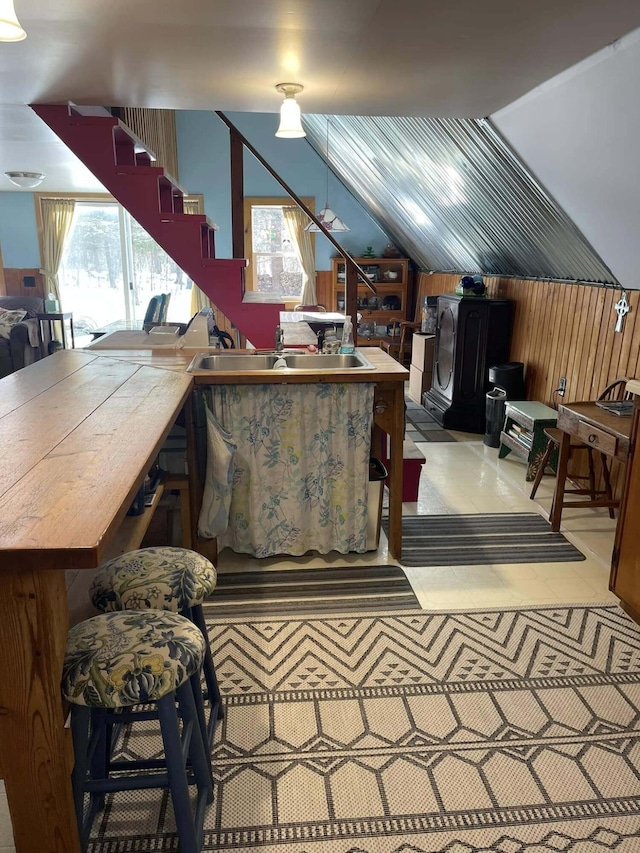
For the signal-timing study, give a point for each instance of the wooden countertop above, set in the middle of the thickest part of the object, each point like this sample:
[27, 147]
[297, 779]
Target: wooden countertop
[80, 429]
[387, 369]
[80, 426]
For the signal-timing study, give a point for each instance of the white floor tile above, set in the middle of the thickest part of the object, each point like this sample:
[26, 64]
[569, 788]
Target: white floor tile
[6, 833]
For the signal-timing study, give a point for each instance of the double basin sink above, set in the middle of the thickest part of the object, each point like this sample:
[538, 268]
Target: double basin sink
[287, 361]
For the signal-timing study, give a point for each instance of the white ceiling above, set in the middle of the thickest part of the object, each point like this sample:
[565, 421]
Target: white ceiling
[361, 57]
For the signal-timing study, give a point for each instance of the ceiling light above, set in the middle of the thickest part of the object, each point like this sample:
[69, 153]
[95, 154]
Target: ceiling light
[10, 29]
[290, 124]
[326, 216]
[26, 180]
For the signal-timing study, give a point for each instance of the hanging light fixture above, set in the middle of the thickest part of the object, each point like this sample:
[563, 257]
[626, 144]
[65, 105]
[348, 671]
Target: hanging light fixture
[10, 29]
[26, 180]
[290, 124]
[326, 216]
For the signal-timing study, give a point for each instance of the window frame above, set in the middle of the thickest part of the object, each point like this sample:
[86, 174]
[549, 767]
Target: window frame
[267, 201]
[100, 198]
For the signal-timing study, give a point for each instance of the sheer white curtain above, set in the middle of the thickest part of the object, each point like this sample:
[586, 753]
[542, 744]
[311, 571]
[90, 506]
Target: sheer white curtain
[295, 221]
[57, 222]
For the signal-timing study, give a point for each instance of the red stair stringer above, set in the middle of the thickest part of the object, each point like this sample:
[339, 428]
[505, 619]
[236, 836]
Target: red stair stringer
[155, 200]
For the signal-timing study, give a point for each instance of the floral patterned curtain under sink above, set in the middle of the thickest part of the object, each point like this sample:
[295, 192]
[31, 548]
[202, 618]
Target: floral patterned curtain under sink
[301, 468]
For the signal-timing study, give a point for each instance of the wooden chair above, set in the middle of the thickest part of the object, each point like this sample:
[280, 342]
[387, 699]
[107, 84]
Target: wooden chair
[395, 345]
[615, 390]
[310, 308]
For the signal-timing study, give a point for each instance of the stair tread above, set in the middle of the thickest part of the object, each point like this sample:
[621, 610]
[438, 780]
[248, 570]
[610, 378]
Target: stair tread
[188, 217]
[145, 189]
[138, 144]
[221, 262]
[159, 171]
[86, 110]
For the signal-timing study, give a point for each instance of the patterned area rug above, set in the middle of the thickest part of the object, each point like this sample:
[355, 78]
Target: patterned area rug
[480, 540]
[500, 730]
[339, 590]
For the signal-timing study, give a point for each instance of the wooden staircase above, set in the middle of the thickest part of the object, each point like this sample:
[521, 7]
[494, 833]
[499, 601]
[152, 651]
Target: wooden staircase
[124, 166]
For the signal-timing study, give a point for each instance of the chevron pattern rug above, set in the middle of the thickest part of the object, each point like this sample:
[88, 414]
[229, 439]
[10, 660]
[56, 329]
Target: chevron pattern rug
[510, 731]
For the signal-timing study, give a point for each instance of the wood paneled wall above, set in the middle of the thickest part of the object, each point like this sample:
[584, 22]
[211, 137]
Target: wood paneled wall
[14, 283]
[562, 330]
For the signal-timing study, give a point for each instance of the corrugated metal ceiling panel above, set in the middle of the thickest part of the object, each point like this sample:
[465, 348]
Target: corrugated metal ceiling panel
[454, 196]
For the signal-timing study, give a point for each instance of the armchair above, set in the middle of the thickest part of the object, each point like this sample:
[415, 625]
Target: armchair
[24, 345]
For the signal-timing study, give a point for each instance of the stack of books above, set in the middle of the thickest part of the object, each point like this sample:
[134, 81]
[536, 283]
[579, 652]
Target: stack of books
[524, 436]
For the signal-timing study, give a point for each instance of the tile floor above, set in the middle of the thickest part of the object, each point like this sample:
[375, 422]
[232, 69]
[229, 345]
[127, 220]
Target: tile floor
[466, 477]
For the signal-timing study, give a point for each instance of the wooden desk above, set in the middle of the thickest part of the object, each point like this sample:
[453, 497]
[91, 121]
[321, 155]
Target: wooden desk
[80, 430]
[596, 428]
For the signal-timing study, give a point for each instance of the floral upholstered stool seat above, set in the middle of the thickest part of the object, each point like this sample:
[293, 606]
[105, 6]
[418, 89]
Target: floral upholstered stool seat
[114, 661]
[166, 578]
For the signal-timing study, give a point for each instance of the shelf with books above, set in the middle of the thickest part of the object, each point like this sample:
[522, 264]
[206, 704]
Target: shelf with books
[523, 433]
[380, 310]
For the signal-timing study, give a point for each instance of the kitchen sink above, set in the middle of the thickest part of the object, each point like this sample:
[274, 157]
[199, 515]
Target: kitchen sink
[321, 362]
[295, 361]
[233, 362]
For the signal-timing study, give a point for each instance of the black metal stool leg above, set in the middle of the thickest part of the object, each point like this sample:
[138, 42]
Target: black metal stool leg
[213, 691]
[80, 724]
[178, 786]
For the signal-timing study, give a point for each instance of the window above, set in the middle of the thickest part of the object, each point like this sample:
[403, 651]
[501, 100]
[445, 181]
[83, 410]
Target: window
[274, 268]
[111, 267]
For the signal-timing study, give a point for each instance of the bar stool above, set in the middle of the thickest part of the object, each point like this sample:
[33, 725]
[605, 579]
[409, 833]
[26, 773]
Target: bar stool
[114, 661]
[163, 578]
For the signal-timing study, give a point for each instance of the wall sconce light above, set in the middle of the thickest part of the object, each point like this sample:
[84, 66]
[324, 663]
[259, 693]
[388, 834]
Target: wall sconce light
[290, 124]
[10, 29]
[26, 180]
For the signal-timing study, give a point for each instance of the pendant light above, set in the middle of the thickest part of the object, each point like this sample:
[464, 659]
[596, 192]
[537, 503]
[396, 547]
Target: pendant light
[10, 29]
[326, 216]
[290, 123]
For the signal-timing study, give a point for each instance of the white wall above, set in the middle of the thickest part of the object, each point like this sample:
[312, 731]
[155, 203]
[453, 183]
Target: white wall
[579, 133]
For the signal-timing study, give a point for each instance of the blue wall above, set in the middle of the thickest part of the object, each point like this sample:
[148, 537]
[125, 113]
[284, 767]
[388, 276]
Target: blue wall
[18, 231]
[203, 146]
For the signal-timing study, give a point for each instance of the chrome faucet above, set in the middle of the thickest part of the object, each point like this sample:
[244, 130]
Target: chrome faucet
[279, 339]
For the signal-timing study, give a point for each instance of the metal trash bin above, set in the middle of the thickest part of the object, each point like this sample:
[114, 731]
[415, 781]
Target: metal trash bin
[495, 406]
[377, 475]
[510, 377]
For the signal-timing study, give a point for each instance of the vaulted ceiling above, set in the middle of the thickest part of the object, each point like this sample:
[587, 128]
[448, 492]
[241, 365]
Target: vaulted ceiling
[431, 58]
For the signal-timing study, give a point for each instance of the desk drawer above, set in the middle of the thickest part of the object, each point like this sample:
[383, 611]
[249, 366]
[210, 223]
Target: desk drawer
[599, 439]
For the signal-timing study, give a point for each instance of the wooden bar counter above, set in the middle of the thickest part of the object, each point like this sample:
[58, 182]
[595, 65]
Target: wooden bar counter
[81, 429]
[80, 432]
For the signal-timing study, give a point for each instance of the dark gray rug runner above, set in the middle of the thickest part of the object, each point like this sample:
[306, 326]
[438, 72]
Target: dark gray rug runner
[421, 426]
[339, 590]
[465, 540]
